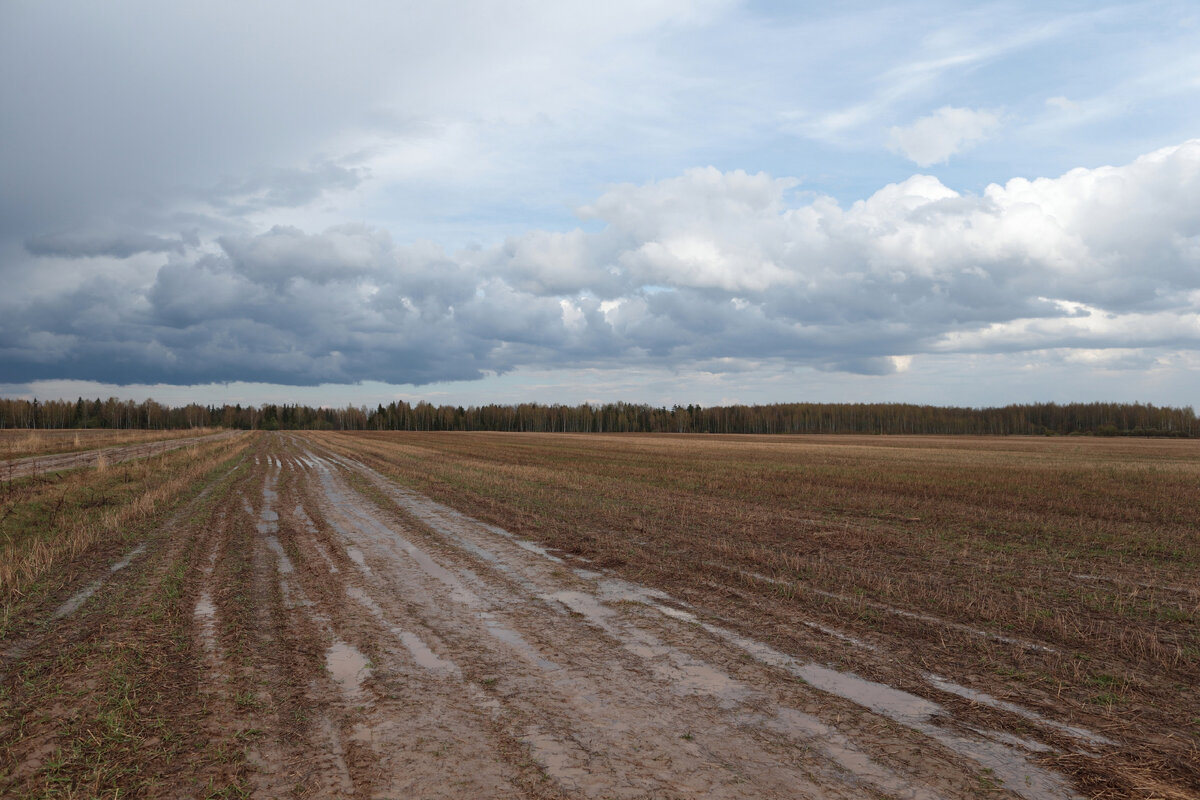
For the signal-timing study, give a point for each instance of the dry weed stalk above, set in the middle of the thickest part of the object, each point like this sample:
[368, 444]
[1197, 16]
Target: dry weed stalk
[26, 560]
[19, 443]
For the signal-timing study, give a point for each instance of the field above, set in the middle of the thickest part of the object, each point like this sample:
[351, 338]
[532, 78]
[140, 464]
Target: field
[24, 442]
[526, 615]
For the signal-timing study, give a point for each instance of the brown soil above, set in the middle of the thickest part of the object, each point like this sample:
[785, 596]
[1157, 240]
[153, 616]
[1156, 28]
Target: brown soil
[312, 629]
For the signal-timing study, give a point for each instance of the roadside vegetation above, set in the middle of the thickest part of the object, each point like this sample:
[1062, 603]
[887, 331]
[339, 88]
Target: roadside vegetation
[1062, 574]
[59, 526]
[99, 695]
[22, 443]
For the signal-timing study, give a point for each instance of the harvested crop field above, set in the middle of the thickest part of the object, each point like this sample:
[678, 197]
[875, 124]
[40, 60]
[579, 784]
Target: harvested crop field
[492, 615]
[23, 442]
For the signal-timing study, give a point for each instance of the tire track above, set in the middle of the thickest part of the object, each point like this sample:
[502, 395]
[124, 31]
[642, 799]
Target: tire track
[657, 693]
[39, 465]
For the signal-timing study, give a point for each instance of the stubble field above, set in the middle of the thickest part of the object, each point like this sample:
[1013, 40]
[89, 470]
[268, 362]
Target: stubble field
[24, 442]
[373, 614]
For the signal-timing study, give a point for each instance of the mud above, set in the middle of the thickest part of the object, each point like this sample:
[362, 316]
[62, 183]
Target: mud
[366, 641]
[607, 682]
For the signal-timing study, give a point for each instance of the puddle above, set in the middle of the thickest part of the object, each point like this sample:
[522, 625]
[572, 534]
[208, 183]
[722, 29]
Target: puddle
[285, 563]
[986, 699]
[420, 652]
[268, 526]
[525, 544]
[517, 642]
[584, 604]
[365, 522]
[130, 556]
[206, 619]
[685, 674]
[444, 519]
[858, 767]
[357, 557]
[458, 589]
[587, 574]
[674, 613]
[616, 590]
[311, 528]
[205, 608]
[493, 560]
[347, 666]
[328, 559]
[997, 753]
[844, 637]
[1011, 766]
[79, 598]
[899, 612]
[558, 762]
[304, 518]
[1015, 741]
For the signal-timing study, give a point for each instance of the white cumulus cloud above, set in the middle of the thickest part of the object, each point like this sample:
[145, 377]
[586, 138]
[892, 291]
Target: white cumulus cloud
[949, 130]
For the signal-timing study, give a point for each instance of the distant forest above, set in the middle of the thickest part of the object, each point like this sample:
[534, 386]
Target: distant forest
[1100, 419]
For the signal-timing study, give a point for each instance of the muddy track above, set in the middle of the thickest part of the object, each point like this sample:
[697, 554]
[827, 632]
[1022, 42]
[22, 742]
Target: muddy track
[40, 465]
[404, 649]
[347, 637]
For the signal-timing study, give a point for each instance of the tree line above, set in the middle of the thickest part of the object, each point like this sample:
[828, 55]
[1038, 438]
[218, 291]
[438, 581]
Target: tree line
[1101, 419]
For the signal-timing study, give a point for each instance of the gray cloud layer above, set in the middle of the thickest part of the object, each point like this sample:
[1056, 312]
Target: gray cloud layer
[688, 271]
[119, 245]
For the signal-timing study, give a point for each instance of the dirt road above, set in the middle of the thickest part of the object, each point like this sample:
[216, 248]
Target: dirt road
[353, 638]
[40, 465]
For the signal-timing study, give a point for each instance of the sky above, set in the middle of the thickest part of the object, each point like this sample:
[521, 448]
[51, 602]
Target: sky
[656, 201]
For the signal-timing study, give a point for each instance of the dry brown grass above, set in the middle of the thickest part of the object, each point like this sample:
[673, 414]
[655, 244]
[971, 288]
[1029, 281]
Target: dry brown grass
[108, 702]
[22, 442]
[1086, 547]
[47, 524]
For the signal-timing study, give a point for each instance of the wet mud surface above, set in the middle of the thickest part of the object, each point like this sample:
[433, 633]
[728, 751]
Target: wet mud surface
[458, 660]
[362, 640]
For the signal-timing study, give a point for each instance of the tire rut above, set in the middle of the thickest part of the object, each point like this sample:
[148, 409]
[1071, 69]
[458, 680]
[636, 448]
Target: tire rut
[608, 684]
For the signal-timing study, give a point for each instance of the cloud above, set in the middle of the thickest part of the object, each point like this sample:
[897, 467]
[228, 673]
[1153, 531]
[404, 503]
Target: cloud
[286, 253]
[284, 187]
[118, 245]
[1062, 104]
[949, 130]
[705, 269]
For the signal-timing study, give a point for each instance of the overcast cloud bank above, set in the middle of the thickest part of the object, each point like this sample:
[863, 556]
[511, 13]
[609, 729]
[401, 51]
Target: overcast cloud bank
[393, 199]
[700, 271]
